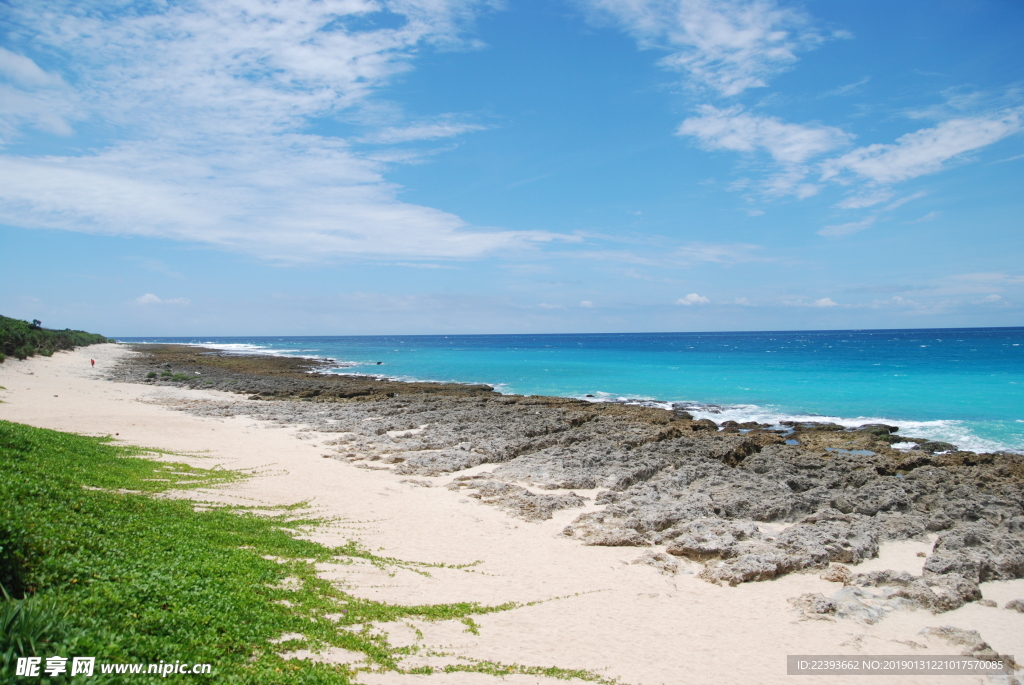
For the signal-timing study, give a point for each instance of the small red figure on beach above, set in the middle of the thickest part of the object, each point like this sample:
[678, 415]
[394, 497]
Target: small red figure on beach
[93, 362]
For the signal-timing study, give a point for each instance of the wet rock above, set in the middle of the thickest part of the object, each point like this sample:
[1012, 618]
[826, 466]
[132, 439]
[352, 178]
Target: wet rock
[878, 428]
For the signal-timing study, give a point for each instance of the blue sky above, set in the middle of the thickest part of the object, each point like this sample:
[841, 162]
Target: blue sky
[457, 166]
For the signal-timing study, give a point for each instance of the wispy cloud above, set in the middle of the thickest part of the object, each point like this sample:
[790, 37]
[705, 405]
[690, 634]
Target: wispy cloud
[904, 200]
[24, 71]
[719, 253]
[150, 298]
[728, 45]
[823, 302]
[793, 147]
[847, 89]
[990, 278]
[849, 228]
[214, 98]
[930, 216]
[1008, 159]
[923, 151]
[790, 146]
[870, 198]
[735, 129]
[31, 96]
[421, 131]
[156, 266]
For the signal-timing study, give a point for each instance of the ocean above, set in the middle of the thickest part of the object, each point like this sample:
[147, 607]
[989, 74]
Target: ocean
[964, 386]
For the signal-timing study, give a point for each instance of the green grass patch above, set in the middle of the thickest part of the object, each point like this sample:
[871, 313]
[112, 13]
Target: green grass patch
[92, 564]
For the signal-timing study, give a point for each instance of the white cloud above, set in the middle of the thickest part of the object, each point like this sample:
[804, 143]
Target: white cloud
[734, 129]
[976, 285]
[789, 145]
[924, 151]
[39, 109]
[729, 45]
[849, 87]
[904, 200]
[866, 199]
[847, 228]
[930, 216]
[742, 301]
[1008, 159]
[791, 181]
[423, 131]
[150, 298]
[426, 265]
[213, 97]
[31, 96]
[586, 304]
[823, 302]
[719, 253]
[989, 277]
[24, 71]
[692, 299]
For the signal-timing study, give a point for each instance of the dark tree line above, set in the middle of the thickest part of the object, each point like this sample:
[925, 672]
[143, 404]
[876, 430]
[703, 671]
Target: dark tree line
[22, 339]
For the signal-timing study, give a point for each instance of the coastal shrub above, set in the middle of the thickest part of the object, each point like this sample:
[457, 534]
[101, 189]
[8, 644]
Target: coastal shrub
[22, 339]
[104, 569]
[151, 374]
[31, 627]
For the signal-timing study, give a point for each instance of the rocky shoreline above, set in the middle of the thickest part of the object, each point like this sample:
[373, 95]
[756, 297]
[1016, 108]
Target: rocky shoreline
[748, 502]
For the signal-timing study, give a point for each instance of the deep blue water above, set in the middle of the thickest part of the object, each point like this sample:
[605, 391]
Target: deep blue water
[964, 386]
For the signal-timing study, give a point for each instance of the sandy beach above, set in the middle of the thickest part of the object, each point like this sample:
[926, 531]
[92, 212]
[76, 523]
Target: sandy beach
[594, 607]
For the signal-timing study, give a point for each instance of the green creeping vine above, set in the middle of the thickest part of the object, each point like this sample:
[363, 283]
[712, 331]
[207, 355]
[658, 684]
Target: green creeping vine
[92, 565]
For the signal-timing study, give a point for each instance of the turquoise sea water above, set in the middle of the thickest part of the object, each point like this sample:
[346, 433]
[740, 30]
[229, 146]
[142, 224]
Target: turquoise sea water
[964, 386]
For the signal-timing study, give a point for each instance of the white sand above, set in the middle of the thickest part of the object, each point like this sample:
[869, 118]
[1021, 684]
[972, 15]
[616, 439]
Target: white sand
[604, 615]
